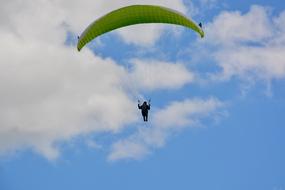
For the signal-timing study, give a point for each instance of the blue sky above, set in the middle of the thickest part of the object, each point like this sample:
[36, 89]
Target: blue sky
[69, 120]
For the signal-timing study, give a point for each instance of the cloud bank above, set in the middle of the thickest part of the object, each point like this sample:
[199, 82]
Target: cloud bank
[50, 93]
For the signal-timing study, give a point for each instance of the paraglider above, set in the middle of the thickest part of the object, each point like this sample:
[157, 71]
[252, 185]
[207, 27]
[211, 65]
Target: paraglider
[144, 107]
[135, 14]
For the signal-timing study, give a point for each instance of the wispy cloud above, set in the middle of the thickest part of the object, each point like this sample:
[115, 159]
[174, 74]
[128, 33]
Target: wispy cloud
[169, 120]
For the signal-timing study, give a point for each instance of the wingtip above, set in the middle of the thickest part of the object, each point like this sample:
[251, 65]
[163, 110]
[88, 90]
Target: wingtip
[200, 24]
[201, 31]
[78, 47]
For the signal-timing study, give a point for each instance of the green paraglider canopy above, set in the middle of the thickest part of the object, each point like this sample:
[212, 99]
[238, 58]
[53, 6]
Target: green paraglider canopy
[135, 14]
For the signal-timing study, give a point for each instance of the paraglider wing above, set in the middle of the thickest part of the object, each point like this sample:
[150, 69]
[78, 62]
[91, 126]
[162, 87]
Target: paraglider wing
[135, 14]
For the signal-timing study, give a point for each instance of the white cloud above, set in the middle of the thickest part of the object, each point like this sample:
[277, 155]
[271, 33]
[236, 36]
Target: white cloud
[154, 74]
[173, 118]
[126, 149]
[92, 144]
[181, 114]
[263, 63]
[51, 93]
[229, 28]
[250, 46]
[142, 34]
